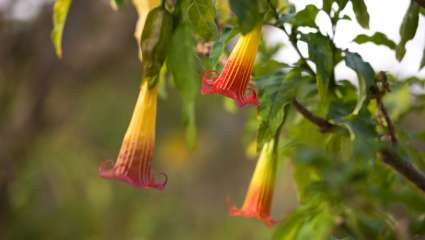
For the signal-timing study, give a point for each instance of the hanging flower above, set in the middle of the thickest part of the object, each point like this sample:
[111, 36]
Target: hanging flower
[233, 81]
[134, 160]
[260, 192]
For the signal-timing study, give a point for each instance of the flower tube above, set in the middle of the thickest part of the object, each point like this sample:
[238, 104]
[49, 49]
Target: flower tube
[233, 81]
[260, 192]
[135, 157]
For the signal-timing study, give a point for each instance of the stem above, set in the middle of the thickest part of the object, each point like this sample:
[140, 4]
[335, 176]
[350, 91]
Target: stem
[405, 168]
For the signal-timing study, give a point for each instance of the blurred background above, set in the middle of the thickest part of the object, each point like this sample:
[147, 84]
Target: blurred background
[60, 118]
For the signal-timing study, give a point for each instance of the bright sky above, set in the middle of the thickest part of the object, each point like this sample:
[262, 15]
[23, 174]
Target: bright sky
[386, 17]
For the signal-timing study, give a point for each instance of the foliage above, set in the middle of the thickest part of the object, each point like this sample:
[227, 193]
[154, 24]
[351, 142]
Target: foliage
[345, 191]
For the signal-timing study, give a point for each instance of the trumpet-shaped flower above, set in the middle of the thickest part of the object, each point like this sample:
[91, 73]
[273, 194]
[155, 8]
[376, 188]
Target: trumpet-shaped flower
[134, 159]
[233, 81]
[260, 192]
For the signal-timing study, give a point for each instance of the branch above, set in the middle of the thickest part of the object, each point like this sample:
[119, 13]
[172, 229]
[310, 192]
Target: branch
[421, 2]
[323, 124]
[405, 168]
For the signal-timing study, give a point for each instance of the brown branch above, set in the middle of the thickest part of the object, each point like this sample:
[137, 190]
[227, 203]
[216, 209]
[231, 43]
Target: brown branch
[323, 124]
[421, 2]
[405, 168]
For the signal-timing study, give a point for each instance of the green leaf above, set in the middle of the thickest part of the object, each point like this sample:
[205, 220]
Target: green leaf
[181, 63]
[365, 75]
[274, 95]
[305, 17]
[220, 45]
[320, 52]
[423, 61]
[342, 4]
[60, 12]
[327, 6]
[200, 14]
[247, 12]
[378, 38]
[155, 40]
[408, 28]
[362, 15]
[118, 3]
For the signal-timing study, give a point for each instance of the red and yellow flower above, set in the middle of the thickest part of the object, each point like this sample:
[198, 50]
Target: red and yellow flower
[233, 81]
[259, 197]
[135, 157]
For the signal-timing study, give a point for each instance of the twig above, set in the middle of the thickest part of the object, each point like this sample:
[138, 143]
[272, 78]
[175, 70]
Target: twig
[405, 168]
[324, 125]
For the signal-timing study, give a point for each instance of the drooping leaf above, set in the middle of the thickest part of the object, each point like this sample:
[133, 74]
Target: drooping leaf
[142, 7]
[377, 38]
[155, 40]
[305, 17]
[408, 28]
[274, 95]
[200, 14]
[342, 4]
[181, 63]
[362, 15]
[247, 12]
[60, 12]
[320, 52]
[365, 75]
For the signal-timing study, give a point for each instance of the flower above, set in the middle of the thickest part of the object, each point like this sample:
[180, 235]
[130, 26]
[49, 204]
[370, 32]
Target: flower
[134, 160]
[233, 80]
[260, 192]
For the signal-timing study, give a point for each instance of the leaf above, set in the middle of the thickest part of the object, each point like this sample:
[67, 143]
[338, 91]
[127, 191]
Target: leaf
[155, 40]
[143, 7]
[320, 52]
[219, 46]
[342, 4]
[274, 95]
[200, 14]
[362, 15]
[327, 6]
[377, 38]
[181, 63]
[116, 3]
[365, 75]
[247, 12]
[305, 17]
[60, 12]
[408, 29]
[423, 60]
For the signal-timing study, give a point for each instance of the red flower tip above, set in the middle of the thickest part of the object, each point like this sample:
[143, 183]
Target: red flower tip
[212, 84]
[108, 171]
[249, 212]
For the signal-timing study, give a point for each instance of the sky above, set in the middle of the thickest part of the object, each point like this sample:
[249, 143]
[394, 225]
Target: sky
[383, 18]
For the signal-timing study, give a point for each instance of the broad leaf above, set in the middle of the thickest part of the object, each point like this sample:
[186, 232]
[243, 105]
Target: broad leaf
[378, 38]
[362, 15]
[320, 52]
[365, 75]
[408, 28]
[247, 12]
[200, 14]
[181, 63]
[60, 12]
[305, 17]
[220, 45]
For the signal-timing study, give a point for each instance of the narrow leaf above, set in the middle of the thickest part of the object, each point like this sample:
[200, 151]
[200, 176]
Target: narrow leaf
[423, 61]
[408, 28]
[365, 75]
[320, 52]
[327, 5]
[60, 12]
[362, 15]
[378, 38]
[181, 63]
